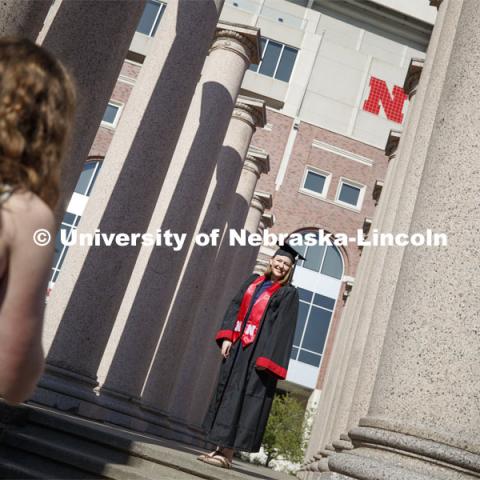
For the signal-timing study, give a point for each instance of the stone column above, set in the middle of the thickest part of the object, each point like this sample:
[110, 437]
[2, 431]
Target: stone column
[429, 89]
[23, 19]
[343, 418]
[267, 220]
[93, 50]
[231, 255]
[241, 263]
[210, 313]
[423, 418]
[93, 280]
[146, 306]
[325, 428]
[247, 115]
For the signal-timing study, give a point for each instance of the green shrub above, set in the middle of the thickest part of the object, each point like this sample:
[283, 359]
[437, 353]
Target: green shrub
[284, 433]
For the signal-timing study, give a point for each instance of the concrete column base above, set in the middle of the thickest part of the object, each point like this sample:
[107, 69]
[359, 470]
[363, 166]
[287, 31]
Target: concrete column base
[121, 411]
[378, 451]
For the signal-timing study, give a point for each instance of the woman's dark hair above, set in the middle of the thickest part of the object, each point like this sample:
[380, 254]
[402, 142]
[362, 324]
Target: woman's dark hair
[37, 101]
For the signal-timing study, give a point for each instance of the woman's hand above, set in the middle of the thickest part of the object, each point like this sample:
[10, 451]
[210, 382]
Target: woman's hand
[226, 347]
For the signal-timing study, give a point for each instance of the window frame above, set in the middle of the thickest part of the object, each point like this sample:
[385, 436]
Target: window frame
[326, 185]
[156, 21]
[267, 41]
[300, 347]
[119, 105]
[352, 183]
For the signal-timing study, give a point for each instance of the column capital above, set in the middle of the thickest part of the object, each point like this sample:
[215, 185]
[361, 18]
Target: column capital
[257, 161]
[250, 110]
[266, 221]
[413, 76]
[261, 201]
[392, 143]
[240, 39]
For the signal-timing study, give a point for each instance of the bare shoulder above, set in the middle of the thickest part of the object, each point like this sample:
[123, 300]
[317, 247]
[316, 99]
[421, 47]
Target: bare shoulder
[24, 213]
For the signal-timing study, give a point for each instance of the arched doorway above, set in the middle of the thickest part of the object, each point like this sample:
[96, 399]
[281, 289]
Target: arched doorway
[318, 279]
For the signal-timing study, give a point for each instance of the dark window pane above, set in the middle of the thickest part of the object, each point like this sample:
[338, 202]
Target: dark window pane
[304, 294]
[315, 182]
[301, 319]
[310, 358]
[332, 265]
[294, 353]
[349, 194]
[60, 253]
[148, 17]
[314, 257]
[286, 64]
[323, 301]
[55, 276]
[69, 218]
[110, 114]
[157, 23]
[85, 176]
[270, 58]
[254, 66]
[317, 328]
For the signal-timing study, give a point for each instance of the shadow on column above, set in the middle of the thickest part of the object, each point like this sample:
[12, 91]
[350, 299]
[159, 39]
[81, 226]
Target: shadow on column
[99, 291]
[182, 329]
[137, 345]
[210, 315]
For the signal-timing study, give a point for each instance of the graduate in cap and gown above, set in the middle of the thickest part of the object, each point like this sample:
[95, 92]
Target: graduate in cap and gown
[255, 339]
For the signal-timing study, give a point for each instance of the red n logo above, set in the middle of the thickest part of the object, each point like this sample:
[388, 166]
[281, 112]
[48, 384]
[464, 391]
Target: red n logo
[379, 94]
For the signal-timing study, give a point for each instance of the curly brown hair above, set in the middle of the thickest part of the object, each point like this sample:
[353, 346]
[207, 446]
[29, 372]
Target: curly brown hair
[37, 101]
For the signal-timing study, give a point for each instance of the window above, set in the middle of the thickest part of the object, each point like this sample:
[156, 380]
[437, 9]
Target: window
[277, 60]
[350, 193]
[70, 220]
[111, 115]
[314, 315]
[316, 182]
[324, 259]
[152, 14]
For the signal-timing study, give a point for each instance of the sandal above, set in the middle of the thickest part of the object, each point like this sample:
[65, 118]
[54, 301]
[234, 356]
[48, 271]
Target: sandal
[218, 460]
[208, 455]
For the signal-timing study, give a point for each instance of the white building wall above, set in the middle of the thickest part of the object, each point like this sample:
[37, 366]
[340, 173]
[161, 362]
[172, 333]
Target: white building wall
[336, 60]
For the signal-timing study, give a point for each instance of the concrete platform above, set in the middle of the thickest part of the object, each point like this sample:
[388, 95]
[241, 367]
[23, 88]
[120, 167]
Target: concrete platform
[38, 442]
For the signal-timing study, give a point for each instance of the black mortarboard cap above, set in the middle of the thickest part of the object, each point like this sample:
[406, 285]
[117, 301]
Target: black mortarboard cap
[289, 252]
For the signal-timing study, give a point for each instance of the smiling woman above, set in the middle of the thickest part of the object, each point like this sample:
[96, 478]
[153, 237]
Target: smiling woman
[256, 339]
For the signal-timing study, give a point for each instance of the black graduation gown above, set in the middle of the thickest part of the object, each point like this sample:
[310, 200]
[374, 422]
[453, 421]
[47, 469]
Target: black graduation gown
[239, 409]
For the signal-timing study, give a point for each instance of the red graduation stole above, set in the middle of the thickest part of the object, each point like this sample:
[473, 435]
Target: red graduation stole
[256, 314]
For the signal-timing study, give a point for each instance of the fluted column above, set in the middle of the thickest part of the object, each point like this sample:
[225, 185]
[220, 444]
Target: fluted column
[93, 50]
[83, 306]
[146, 307]
[183, 336]
[423, 416]
[23, 19]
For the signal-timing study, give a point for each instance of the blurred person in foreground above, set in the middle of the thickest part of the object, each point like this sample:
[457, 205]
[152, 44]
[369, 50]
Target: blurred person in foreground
[36, 113]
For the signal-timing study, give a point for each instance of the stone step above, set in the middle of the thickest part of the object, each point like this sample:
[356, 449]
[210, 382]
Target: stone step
[135, 446]
[99, 461]
[16, 464]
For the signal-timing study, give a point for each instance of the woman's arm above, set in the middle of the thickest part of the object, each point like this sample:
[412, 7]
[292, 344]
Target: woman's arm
[276, 355]
[22, 307]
